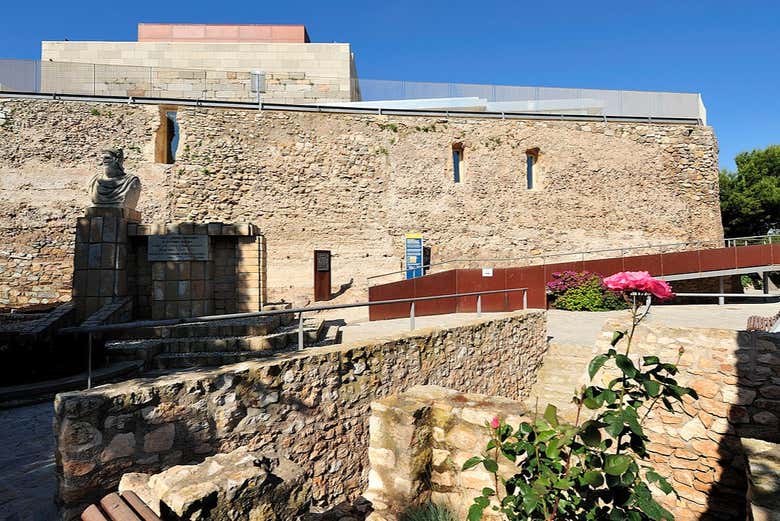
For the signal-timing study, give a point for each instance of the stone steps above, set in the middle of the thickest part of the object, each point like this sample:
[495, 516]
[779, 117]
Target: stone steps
[197, 351]
[254, 326]
[192, 360]
[564, 370]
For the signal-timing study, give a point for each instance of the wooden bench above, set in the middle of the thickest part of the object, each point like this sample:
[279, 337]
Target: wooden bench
[124, 506]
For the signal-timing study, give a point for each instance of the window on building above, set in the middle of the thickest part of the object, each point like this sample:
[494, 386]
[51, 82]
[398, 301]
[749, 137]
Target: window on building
[531, 157]
[167, 140]
[457, 162]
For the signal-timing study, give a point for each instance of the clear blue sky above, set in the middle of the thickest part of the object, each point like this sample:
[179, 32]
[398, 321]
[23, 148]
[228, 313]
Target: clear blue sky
[727, 51]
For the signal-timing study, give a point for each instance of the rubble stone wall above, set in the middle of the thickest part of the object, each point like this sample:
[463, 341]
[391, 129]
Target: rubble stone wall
[420, 439]
[355, 184]
[312, 407]
[737, 377]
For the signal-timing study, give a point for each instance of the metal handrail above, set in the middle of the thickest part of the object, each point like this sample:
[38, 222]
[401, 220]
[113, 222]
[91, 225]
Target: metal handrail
[90, 330]
[729, 243]
[336, 109]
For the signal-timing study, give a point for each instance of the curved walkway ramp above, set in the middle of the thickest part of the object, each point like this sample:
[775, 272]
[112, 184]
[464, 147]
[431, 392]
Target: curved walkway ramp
[679, 265]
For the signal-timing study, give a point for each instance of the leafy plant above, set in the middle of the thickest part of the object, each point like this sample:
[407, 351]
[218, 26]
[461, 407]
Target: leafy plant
[582, 291]
[427, 512]
[596, 469]
[388, 126]
[94, 112]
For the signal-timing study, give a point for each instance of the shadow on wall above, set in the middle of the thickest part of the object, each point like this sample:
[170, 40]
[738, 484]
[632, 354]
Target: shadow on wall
[751, 403]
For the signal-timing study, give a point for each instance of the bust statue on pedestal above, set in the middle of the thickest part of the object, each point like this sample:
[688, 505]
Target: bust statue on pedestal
[114, 188]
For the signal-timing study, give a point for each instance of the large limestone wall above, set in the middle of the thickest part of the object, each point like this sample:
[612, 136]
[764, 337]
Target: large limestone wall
[356, 184]
[312, 406]
[295, 72]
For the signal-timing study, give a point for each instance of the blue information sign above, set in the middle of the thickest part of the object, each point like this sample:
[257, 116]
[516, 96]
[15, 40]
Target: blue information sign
[414, 255]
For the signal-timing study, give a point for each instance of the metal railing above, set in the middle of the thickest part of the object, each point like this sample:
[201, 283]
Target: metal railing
[545, 99]
[91, 330]
[598, 254]
[92, 79]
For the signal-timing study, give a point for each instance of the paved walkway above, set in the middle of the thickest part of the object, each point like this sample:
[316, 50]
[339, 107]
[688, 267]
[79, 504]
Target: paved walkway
[27, 477]
[363, 329]
[582, 327]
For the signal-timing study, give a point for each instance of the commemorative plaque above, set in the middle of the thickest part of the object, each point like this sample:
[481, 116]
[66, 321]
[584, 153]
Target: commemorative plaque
[178, 248]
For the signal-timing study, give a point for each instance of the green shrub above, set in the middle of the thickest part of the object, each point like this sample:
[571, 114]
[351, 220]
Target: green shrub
[427, 512]
[597, 469]
[591, 295]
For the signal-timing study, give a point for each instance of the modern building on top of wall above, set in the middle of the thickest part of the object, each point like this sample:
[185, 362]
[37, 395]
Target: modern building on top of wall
[199, 61]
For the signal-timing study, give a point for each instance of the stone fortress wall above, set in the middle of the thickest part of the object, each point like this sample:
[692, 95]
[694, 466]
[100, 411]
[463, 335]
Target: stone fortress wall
[354, 184]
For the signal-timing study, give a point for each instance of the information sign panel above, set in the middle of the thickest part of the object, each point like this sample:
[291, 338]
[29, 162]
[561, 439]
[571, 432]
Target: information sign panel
[414, 255]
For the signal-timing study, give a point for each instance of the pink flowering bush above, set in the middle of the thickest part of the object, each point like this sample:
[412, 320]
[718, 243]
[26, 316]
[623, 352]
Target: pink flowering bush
[563, 281]
[582, 291]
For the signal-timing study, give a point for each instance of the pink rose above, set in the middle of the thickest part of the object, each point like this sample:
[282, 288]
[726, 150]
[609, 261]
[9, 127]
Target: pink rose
[495, 423]
[660, 289]
[627, 281]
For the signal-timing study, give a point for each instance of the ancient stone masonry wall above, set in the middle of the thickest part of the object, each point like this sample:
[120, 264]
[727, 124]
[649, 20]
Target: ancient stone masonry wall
[355, 184]
[312, 407]
[48, 153]
[737, 377]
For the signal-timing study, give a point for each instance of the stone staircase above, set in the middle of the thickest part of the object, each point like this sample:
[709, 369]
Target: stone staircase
[218, 343]
[565, 369]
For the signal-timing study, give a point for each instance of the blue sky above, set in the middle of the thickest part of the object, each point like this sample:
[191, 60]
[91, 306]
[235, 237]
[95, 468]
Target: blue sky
[727, 51]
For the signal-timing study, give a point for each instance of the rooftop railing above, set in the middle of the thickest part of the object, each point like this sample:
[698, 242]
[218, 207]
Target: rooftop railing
[89, 79]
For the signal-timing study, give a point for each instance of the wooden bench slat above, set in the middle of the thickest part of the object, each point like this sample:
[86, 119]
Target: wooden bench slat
[93, 513]
[116, 509]
[141, 508]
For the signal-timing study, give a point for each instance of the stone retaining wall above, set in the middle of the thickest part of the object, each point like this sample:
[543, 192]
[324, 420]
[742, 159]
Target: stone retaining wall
[737, 377]
[312, 407]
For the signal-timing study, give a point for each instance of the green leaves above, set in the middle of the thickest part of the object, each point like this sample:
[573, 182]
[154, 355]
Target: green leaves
[551, 415]
[590, 471]
[652, 387]
[490, 465]
[617, 464]
[590, 433]
[616, 336]
[596, 364]
[626, 365]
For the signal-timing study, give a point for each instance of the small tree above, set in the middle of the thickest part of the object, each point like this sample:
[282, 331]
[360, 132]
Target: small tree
[750, 197]
[596, 469]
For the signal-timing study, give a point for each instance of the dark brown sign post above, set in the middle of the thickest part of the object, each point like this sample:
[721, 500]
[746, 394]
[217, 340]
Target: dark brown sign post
[321, 275]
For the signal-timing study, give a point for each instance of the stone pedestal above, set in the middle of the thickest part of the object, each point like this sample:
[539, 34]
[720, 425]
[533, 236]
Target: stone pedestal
[100, 259]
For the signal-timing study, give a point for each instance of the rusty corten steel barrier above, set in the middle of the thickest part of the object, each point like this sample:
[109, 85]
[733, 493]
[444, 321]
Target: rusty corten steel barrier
[535, 277]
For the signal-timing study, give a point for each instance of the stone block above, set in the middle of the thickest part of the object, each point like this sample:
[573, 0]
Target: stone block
[160, 439]
[107, 255]
[96, 229]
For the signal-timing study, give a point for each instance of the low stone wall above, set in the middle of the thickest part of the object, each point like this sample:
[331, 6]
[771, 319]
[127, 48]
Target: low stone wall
[419, 441]
[737, 377]
[312, 407]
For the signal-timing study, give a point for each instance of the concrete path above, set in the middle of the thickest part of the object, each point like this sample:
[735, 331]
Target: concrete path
[27, 477]
[363, 329]
[582, 327]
